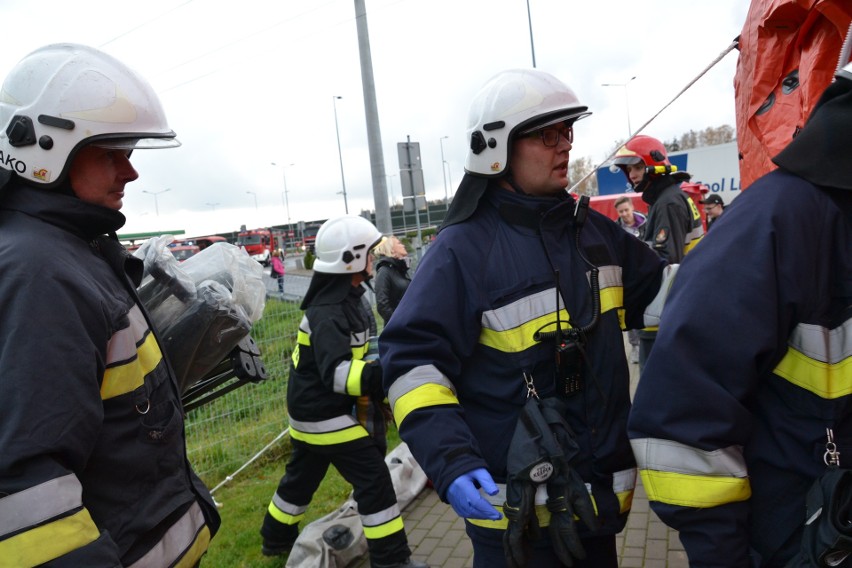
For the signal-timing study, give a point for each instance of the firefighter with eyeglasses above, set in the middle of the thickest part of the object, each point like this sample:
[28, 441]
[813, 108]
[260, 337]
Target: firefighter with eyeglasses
[505, 361]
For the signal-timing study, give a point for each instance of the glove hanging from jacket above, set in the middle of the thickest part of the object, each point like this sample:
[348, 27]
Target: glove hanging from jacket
[541, 451]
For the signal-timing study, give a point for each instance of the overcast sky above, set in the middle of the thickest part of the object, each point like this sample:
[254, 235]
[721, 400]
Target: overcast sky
[248, 83]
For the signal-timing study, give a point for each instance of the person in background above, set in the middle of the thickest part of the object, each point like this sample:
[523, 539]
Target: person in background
[94, 470]
[714, 206]
[327, 375]
[482, 337]
[392, 280]
[738, 414]
[634, 223]
[673, 226]
[278, 270]
[629, 219]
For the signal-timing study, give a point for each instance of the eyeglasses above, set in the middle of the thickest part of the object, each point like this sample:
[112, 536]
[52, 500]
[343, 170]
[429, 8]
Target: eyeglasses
[550, 136]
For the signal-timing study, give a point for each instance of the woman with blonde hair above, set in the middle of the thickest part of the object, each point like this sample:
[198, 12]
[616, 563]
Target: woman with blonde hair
[392, 278]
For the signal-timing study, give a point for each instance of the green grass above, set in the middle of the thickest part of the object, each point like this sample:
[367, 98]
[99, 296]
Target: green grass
[224, 434]
[244, 502]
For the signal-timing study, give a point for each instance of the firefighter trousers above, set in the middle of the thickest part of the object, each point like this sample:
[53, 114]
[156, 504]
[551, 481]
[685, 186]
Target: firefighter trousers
[362, 464]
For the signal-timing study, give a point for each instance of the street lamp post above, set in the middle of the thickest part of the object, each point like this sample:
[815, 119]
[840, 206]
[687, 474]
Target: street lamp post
[212, 205]
[255, 198]
[155, 194]
[390, 183]
[286, 195]
[339, 153]
[445, 171]
[626, 101]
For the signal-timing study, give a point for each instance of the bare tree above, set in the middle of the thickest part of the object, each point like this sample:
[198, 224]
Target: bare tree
[577, 169]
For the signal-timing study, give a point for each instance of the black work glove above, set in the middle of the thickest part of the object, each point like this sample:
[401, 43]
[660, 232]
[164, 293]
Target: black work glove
[567, 496]
[374, 388]
[523, 523]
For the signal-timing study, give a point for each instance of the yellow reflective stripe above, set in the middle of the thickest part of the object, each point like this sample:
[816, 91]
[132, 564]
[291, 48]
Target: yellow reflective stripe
[130, 376]
[825, 380]
[382, 524]
[612, 299]
[359, 352]
[691, 244]
[283, 517]
[429, 394]
[521, 311]
[39, 503]
[183, 544]
[196, 551]
[303, 338]
[521, 338]
[625, 501]
[353, 381]
[818, 359]
[699, 491]
[354, 432]
[295, 356]
[48, 542]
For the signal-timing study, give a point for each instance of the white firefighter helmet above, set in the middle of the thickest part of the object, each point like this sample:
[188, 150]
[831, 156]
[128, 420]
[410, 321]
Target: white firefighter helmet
[515, 102]
[64, 96]
[343, 244]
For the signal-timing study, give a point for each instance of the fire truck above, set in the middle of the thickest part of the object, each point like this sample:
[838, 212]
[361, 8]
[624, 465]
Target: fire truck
[260, 243]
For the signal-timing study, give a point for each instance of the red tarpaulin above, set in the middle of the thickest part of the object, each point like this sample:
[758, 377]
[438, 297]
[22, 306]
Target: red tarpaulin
[789, 51]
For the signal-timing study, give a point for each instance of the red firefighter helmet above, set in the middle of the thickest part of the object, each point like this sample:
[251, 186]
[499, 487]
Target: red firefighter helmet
[645, 150]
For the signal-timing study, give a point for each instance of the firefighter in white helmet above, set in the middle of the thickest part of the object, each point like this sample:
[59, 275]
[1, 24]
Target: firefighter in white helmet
[93, 469]
[327, 375]
[517, 311]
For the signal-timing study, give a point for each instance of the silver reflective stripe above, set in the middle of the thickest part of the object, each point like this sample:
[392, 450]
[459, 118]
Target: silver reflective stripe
[341, 376]
[667, 455]
[819, 343]
[380, 518]
[610, 276]
[417, 377]
[521, 311]
[358, 339]
[40, 503]
[289, 508]
[305, 325]
[324, 426]
[624, 480]
[175, 542]
[124, 343]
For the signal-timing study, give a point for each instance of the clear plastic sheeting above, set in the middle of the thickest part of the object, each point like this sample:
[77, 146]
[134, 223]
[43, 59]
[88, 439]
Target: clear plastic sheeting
[202, 307]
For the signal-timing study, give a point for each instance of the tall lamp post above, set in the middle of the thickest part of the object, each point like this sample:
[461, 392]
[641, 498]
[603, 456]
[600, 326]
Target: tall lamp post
[155, 194]
[212, 205]
[286, 195]
[339, 153]
[444, 171]
[255, 198]
[626, 101]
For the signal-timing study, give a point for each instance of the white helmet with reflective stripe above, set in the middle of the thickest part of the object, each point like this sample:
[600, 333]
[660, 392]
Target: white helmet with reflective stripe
[515, 102]
[343, 244]
[64, 96]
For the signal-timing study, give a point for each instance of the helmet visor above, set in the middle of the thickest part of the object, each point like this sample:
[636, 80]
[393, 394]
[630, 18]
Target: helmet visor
[136, 143]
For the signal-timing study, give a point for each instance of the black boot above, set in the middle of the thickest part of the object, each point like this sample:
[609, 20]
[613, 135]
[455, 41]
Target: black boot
[278, 538]
[407, 563]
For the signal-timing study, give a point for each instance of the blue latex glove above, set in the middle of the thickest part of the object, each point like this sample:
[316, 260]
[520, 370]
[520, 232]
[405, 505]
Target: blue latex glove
[465, 498]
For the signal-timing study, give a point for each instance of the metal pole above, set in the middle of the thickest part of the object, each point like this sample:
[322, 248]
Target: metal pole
[626, 102]
[444, 171]
[339, 153]
[419, 245]
[532, 44]
[155, 194]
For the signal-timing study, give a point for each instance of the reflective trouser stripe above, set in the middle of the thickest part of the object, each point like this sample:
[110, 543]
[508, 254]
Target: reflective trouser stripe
[182, 545]
[50, 541]
[285, 512]
[382, 524]
[337, 430]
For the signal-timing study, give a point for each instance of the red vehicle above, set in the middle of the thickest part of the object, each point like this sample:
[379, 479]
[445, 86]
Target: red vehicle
[309, 237]
[204, 242]
[260, 243]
